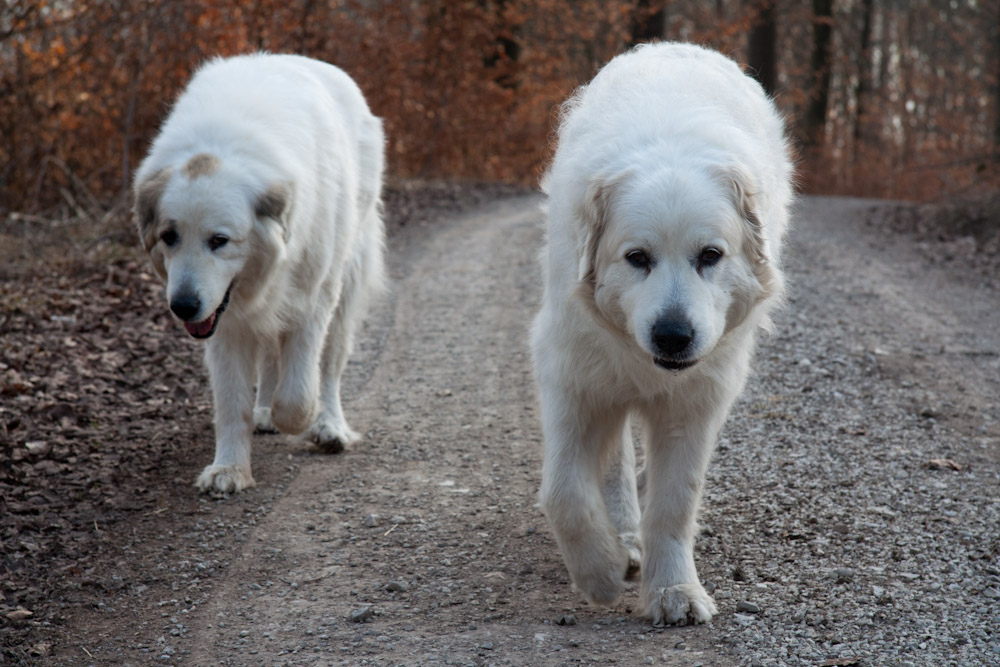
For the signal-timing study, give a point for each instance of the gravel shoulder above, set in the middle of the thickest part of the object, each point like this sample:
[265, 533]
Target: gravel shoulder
[850, 518]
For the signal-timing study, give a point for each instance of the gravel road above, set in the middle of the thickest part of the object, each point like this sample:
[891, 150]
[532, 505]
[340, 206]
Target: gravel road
[851, 515]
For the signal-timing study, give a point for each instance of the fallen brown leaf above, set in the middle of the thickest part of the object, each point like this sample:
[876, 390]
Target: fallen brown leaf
[40, 650]
[943, 464]
[20, 614]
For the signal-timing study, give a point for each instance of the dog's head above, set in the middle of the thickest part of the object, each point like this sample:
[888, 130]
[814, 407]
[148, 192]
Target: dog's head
[202, 224]
[673, 259]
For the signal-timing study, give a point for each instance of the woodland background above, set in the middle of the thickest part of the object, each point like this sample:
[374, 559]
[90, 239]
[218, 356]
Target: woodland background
[887, 98]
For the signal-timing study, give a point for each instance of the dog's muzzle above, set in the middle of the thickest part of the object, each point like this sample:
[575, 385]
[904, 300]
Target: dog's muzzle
[672, 336]
[187, 308]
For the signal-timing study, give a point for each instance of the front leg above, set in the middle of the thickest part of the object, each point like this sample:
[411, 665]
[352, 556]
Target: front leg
[231, 369]
[680, 443]
[571, 493]
[295, 403]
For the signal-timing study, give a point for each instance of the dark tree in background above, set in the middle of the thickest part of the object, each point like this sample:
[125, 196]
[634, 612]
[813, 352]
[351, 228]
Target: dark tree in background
[762, 47]
[648, 22]
[814, 120]
[507, 49]
[996, 82]
[864, 78]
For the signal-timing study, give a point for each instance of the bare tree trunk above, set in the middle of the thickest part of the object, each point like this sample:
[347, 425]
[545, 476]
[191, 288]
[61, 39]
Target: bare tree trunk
[761, 49]
[863, 89]
[882, 89]
[996, 91]
[814, 121]
[305, 25]
[505, 58]
[151, 19]
[648, 21]
[436, 22]
[907, 67]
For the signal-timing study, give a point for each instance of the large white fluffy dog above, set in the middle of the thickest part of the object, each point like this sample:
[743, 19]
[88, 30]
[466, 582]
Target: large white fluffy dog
[259, 205]
[668, 201]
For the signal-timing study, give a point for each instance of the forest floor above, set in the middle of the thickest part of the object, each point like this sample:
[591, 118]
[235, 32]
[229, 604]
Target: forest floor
[850, 517]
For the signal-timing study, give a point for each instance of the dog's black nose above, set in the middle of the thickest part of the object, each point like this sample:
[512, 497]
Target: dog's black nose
[672, 335]
[186, 306]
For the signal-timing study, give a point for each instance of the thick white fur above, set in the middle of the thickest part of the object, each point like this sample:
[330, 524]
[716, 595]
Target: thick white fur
[670, 149]
[290, 170]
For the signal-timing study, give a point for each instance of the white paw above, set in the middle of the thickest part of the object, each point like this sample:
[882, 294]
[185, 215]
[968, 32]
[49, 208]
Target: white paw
[225, 479]
[633, 545]
[678, 605]
[331, 436]
[262, 421]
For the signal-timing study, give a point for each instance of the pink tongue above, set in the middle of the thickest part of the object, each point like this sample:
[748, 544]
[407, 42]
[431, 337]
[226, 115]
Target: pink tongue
[200, 328]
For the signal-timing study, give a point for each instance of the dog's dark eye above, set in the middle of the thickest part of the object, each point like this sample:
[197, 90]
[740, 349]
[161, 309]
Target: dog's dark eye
[709, 257]
[217, 242]
[170, 238]
[639, 259]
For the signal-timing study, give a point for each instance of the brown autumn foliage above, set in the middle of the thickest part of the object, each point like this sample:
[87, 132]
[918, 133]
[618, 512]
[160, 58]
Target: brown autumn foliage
[470, 89]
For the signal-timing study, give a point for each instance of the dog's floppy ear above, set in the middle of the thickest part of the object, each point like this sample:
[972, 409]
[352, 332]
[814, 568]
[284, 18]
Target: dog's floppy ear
[275, 203]
[594, 213]
[741, 188]
[147, 196]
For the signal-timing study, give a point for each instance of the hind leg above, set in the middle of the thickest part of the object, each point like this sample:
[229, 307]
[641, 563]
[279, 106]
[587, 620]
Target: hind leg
[295, 402]
[621, 497]
[330, 431]
[267, 380]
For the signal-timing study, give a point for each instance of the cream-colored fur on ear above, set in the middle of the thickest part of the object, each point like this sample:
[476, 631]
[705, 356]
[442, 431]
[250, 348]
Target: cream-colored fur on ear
[595, 215]
[147, 197]
[741, 187]
[595, 212]
[273, 204]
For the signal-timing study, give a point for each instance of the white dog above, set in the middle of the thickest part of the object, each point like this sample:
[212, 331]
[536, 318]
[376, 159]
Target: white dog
[259, 205]
[668, 201]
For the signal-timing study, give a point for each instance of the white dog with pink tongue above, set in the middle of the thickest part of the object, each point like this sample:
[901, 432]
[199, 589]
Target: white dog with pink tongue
[259, 206]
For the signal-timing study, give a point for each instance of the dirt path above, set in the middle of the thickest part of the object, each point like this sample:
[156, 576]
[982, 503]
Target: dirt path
[824, 514]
